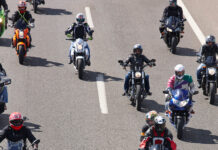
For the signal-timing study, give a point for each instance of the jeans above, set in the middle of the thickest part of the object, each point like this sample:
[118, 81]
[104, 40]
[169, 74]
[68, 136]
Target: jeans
[87, 51]
[4, 95]
[199, 70]
[127, 78]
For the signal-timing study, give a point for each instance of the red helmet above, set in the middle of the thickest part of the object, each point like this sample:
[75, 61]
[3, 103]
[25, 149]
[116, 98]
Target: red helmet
[16, 120]
[22, 6]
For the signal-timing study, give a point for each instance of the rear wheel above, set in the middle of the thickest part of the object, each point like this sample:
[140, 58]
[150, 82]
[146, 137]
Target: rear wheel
[21, 54]
[138, 97]
[212, 93]
[80, 68]
[179, 126]
[173, 45]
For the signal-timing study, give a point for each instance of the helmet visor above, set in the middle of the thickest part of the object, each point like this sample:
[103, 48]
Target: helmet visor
[16, 122]
[138, 51]
[80, 20]
[179, 74]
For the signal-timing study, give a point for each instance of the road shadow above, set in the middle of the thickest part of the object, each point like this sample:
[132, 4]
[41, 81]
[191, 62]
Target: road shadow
[5, 42]
[37, 61]
[200, 136]
[32, 126]
[4, 120]
[148, 105]
[91, 76]
[185, 51]
[52, 11]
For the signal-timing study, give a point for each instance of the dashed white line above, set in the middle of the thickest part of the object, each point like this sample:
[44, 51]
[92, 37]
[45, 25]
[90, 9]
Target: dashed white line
[89, 17]
[102, 94]
[192, 23]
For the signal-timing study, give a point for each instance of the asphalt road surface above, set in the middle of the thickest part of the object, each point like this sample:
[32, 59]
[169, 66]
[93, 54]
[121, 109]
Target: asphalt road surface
[64, 112]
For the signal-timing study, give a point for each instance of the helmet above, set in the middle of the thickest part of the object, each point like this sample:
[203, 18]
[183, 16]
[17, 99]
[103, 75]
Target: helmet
[179, 71]
[22, 6]
[137, 49]
[159, 123]
[80, 18]
[149, 117]
[173, 2]
[210, 39]
[16, 120]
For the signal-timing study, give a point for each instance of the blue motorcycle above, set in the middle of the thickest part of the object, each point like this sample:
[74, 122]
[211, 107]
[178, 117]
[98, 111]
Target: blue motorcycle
[178, 112]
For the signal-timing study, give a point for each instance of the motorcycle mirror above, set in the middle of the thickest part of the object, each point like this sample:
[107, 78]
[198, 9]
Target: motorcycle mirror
[120, 61]
[25, 118]
[195, 92]
[7, 81]
[184, 20]
[166, 92]
[9, 18]
[153, 60]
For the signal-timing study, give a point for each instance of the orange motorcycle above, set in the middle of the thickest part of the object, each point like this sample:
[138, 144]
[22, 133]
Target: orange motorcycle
[21, 39]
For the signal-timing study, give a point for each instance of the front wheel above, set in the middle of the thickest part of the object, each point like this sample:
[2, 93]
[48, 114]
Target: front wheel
[21, 54]
[212, 93]
[179, 127]
[80, 68]
[173, 45]
[138, 97]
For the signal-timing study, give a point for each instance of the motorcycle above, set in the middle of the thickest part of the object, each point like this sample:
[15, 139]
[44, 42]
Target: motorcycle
[179, 109]
[79, 53]
[21, 39]
[209, 77]
[19, 145]
[3, 82]
[3, 21]
[136, 92]
[35, 4]
[172, 32]
[157, 144]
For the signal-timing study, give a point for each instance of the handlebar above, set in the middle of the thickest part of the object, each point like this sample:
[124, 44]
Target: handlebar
[151, 63]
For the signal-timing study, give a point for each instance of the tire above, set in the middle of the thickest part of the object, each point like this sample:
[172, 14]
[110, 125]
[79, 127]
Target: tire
[21, 54]
[173, 45]
[35, 6]
[212, 93]
[80, 68]
[138, 97]
[179, 127]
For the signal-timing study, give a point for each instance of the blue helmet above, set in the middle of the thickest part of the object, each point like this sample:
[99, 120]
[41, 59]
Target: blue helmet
[137, 47]
[173, 2]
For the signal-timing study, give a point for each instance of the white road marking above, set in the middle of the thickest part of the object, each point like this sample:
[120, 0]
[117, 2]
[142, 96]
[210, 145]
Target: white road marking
[89, 17]
[192, 23]
[102, 94]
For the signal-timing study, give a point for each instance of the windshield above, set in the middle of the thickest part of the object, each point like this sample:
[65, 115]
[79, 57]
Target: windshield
[20, 24]
[180, 94]
[172, 22]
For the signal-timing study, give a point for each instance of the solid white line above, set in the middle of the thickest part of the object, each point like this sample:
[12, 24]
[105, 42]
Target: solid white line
[192, 23]
[89, 17]
[102, 94]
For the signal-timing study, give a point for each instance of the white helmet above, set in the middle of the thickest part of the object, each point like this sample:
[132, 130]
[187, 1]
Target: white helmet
[179, 71]
[80, 18]
[160, 123]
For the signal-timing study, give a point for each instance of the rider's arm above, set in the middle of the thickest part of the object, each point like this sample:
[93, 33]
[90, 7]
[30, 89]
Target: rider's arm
[165, 13]
[4, 4]
[171, 81]
[88, 30]
[128, 60]
[15, 17]
[70, 29]
[144, 129]
[181, 13]
[29, 135]
[29, 18]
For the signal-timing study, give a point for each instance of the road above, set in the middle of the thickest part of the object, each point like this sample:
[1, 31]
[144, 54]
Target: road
[64, 112]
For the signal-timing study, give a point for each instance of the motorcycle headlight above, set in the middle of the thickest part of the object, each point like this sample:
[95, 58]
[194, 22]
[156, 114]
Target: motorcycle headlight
[80, 47]
[138, 74]
[1, 20]
[211, 71]
[180, 103]
[170, 30]
[21, 34]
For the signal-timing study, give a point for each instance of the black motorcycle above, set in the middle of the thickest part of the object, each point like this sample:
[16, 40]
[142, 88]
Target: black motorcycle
[136, 92]
[209, 77]
[172, 32]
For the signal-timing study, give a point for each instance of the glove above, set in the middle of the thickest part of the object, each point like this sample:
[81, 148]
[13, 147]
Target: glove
[90, 38]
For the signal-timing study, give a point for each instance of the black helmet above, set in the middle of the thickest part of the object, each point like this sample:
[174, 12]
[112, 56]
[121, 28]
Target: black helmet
[137, 47]
[210, 39]
[159, 123]
[173, 2]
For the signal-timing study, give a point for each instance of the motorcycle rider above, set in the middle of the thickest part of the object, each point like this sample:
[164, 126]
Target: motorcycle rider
[3, 91]
[17, 132]
[5, 6]
[132, 59]
[78, 30]
[179, 81]
[23, 14]
[208, 49]
[172, 10]
[149, 118]
[159, 131]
